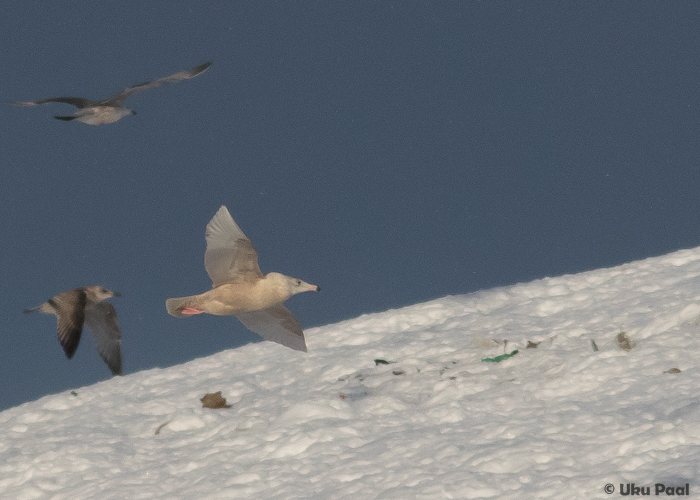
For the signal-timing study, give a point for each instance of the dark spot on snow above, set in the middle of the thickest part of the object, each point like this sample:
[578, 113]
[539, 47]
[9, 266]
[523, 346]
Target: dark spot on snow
[161, 426]
[214, 400]
[624, 342]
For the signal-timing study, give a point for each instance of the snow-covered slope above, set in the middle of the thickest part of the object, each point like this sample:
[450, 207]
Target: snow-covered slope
[557, 421]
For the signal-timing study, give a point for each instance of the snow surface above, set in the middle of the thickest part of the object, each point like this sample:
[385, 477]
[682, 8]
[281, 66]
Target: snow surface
[557, 421]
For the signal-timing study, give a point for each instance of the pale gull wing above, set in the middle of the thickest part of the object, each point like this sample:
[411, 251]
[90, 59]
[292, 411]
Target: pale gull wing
[78, 102]
[102, 320]
[276, 324]
[175, 77]
[70, 313]
[230, 256]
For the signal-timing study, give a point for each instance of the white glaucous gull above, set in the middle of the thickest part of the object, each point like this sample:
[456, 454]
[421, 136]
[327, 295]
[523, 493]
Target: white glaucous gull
[111, 110]
[240, 289]
[87, 305]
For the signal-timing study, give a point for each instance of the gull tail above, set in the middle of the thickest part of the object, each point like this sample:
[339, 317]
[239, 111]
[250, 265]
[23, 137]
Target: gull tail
[43, 308]
[176, 305]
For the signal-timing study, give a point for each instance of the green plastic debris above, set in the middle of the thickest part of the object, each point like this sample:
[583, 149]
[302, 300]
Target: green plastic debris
[500, 358]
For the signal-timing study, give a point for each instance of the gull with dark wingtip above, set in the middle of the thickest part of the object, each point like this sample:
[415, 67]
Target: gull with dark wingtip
[240, 289]
[111, 110]
[87, 305]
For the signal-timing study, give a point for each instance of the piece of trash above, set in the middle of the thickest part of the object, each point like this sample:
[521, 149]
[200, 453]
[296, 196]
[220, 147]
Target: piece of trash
[532, 345]
[673, 370]
[500, 358]
[214, 400]
[354, 394]
[380, 361]
[398, 372]
[504, 381]
[624, 342]
[503, 342]
[593, 345]
[74, 393]
[161, 426]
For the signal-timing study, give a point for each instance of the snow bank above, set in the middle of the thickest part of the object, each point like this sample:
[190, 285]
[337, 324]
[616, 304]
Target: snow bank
[557, 421]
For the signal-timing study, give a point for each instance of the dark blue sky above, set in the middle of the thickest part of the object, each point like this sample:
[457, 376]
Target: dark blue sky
[390, 152]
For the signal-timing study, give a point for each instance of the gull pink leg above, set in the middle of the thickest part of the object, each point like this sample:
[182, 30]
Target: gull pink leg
[191, 311]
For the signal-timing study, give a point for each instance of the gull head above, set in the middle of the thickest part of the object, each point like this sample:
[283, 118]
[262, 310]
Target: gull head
[99, 293]
[291, 285]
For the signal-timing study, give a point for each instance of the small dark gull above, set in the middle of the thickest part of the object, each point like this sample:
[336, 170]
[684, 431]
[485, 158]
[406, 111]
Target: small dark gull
[87, 305]
[240, 289]
[111, 110]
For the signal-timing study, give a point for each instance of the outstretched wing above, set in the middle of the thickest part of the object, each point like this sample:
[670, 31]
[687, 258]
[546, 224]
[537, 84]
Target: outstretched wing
[276, 324]
[102, 320]
[230, 256]
[139, 87]
[70, 313]
[78, 102]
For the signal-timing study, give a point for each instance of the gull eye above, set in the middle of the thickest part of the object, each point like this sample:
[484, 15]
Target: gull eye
[298, 282]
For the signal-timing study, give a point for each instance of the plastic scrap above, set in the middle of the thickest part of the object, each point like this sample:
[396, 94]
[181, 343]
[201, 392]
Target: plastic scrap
[500, 358]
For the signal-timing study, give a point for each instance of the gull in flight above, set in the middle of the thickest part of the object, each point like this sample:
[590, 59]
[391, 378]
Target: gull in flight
[111, 110]
[87, 305]
[240, 289]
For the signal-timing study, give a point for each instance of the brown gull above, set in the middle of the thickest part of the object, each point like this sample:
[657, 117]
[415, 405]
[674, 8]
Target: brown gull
[87, 305]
